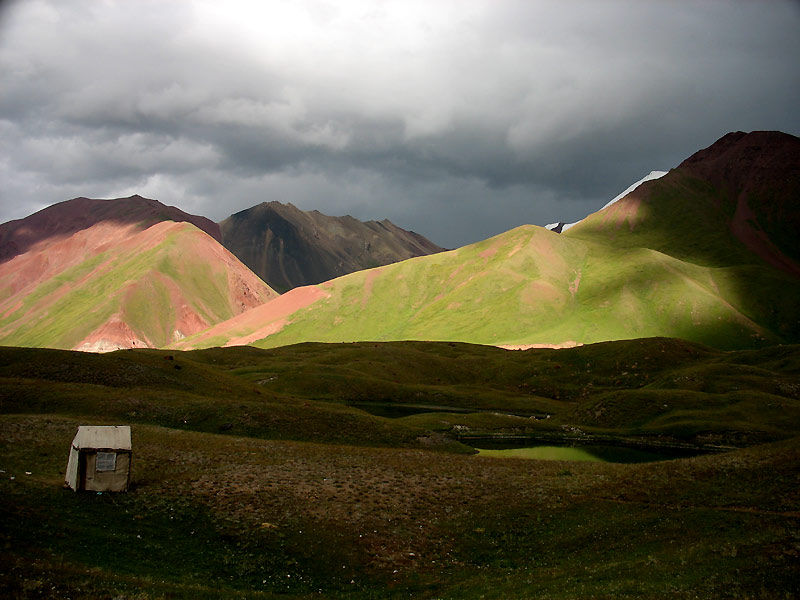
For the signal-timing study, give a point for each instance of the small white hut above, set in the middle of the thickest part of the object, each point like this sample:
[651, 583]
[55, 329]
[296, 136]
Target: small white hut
[100, 459]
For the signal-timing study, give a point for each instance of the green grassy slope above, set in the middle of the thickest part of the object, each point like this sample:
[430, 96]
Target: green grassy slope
[532, 286]
[303, 496]
[719, 200]
[678, 214]
[144, 287]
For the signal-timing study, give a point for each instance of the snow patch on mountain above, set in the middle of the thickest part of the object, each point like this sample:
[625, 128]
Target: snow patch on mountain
[561, 227]
[649, 177]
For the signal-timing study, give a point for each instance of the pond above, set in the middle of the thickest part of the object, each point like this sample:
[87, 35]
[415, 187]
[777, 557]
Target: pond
[589, 452]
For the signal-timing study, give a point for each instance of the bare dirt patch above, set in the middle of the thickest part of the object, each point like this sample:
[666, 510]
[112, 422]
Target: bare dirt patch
[567, 344]
[114, 334]
[369, 279]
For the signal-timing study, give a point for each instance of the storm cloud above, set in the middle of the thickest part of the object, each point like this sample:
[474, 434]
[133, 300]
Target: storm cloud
[458, 119]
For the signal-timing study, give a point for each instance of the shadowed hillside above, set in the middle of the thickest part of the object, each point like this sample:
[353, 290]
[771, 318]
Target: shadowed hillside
[734, 203]
[658, 387]
[288, 247]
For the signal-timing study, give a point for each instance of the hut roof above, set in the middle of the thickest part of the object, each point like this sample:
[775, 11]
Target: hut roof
[103, 436]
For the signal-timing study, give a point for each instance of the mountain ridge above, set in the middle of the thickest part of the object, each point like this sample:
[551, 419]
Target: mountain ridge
[705, 253]
[561, 226]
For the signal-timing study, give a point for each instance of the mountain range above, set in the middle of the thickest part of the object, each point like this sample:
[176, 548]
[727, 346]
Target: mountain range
[707, 252]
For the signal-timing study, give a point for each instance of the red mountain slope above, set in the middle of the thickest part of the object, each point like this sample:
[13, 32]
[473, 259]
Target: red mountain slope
[66, 218]
[758, 174]
[134, 278]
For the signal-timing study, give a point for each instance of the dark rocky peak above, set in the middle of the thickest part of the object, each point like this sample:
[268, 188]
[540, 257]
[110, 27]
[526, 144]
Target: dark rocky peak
[741, 160]
[288, 247]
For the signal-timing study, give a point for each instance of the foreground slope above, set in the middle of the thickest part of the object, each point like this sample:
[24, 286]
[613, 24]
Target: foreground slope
[213, 516]
[129, 279]
[288, 247]
[708, 259]
[251, 477]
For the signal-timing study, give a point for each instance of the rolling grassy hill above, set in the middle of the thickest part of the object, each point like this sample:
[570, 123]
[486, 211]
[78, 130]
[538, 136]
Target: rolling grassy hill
[253, 476]
[652, 387]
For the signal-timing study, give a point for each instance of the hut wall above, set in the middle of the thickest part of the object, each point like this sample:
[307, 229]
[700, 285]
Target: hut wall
[107, 481]
[73, 477]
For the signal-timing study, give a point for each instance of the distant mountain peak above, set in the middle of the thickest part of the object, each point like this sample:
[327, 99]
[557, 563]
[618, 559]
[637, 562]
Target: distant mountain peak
[737, 158]
[289, 247]
[71, 216]
[739, 141]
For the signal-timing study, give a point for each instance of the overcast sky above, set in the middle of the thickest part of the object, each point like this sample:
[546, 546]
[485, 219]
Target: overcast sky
[457, 119]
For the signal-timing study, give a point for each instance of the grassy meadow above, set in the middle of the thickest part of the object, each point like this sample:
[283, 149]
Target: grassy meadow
[255, 476]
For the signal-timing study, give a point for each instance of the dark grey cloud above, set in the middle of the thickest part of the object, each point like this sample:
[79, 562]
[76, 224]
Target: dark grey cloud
[458, 119]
